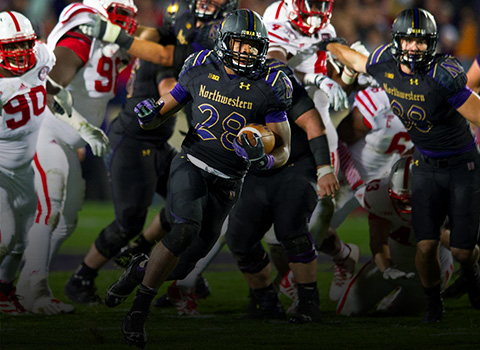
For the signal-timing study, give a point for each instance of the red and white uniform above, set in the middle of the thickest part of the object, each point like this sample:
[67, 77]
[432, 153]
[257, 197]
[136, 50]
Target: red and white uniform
[373, 156]
[368, 287]
[58, 177]
[23, 101]
[304, 57]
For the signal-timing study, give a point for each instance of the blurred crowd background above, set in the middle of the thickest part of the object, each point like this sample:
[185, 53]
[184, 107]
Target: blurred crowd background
[366, 20]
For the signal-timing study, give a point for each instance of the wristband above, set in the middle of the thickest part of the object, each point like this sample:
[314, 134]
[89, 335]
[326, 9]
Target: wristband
[348, 75]
[320, 150]
[124, 40]
[324, 170]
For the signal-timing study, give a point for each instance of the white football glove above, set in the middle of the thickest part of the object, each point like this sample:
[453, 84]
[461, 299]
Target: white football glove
[392, 273]
[95, 137]
[107, 31]
[359, 47]
[338, 98]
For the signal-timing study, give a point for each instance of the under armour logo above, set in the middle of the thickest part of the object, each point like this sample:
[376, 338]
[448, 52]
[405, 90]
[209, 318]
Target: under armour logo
[145, 152]
[243, 85]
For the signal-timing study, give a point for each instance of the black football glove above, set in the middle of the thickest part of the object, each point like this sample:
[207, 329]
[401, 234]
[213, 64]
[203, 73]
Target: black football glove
[322, 45]
[256, 154]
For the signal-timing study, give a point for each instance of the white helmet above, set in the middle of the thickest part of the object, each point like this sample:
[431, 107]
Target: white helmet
[309, 16]
[399, 185]
[121, 12]
[17, 43]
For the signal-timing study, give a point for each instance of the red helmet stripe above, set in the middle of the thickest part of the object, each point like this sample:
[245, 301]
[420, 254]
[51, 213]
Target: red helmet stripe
[14, 19]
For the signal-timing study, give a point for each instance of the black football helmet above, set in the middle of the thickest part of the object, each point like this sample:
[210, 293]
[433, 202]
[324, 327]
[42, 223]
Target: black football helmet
[202, 12]
[246, 26]
[174, 9]
[417, 23]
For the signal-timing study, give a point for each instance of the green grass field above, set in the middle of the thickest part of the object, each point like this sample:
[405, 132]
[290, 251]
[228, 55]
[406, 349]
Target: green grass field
[221, 325]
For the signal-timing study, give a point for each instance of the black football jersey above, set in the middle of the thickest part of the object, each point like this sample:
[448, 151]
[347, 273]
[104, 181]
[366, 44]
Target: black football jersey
[143, 84]
[425, 102]
[223, 104]
[190, 38]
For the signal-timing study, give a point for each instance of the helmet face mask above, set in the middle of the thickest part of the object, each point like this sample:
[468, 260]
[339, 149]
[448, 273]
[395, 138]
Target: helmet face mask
[121, 12]
[209, 10]
[17, 43]
[414, 24]
[399, 185]
[309, 16]
[242, 42]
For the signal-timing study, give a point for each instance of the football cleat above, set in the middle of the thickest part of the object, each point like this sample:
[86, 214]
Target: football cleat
[288, 287]
[202, 291]
[344, 271]
[472, 277]
[184, 300]
[10, 305]
[264, 304]
[434, 311]
[133, 328]
[128, 281]
[82, 290]
[308, 309]
[51, 306]
[125, 256]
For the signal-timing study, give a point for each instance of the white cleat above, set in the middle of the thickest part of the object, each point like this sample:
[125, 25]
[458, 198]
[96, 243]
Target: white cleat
[344, 271]
[288, 287]
[51, 306]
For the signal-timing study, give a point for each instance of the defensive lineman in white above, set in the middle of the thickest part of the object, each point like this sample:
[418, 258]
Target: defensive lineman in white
[88, 68]
[392, 268]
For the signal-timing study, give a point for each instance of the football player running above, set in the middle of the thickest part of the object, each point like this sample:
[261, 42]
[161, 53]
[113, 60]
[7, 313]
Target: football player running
[428, 93]
[24, 65]
[229, 87]
[391, 271]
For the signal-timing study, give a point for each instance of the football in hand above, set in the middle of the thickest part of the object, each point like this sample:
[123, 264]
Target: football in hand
[267, 135]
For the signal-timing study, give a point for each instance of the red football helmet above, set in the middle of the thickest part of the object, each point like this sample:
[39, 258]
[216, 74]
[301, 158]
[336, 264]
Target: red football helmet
[399, 185]
[121, 12]
[309, 15]
[17, 43]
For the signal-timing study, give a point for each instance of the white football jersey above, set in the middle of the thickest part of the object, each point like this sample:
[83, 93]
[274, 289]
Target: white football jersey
[24, 105]
[306, 58]
[387, 141]
[95, 84]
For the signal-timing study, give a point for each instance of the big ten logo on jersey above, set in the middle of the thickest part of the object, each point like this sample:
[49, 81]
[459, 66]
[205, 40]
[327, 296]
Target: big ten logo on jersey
[20, 108]
[213, 76]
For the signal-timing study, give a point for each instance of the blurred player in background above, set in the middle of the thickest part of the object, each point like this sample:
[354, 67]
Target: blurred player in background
[24, 65]
[88, 68]
[392, 242]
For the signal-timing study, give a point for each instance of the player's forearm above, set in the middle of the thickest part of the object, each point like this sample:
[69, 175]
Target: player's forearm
[152, 52]
[281, 152]
[349, 57]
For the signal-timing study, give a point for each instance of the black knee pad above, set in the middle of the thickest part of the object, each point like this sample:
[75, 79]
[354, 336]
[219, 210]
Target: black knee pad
[252, 261]
[300, 249]
[111, 240]
[180, 237]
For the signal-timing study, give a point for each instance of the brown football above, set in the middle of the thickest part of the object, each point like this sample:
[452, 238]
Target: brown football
[268, 137]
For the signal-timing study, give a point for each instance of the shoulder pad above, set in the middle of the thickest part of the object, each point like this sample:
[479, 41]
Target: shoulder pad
[448, 71]
[198, 59]
[382, 53]
[281, 84]
[79, 12]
